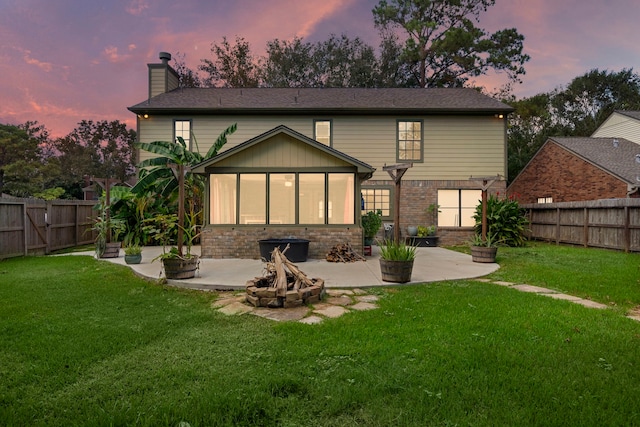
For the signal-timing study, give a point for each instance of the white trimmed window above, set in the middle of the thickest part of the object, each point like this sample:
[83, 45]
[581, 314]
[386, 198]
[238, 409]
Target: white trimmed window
[322, 131]
[182, 128]
[374, 199]
[457, 207]
[409, 140]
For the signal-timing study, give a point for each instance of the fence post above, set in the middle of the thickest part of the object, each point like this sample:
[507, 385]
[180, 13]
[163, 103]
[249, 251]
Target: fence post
[586, 227]
[627, 229]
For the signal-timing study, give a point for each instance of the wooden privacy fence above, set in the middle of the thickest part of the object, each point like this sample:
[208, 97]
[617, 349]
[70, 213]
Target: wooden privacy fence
[30, 227]
[609, 223]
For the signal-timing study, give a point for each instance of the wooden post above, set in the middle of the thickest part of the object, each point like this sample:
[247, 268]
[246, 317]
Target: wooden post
[486, 183]
[396, 172]
[180, 207]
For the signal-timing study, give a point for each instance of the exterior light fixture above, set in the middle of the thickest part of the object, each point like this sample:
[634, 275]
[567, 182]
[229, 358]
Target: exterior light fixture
[145, 116]
[637, 158]
[499, 116]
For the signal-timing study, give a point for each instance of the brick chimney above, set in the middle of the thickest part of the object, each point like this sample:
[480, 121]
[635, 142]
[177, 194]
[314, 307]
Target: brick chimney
[162, 77]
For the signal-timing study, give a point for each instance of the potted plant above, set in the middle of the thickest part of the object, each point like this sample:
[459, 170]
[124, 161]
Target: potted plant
[484, 250]
[133, 254]
[108, 232]
[371, 223]
[132, 248]
[396, 261]
[176, 264]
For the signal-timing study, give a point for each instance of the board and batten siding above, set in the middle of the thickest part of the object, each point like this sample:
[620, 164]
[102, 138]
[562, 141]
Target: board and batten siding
[619, 126]
[455, 147]
[282, 151]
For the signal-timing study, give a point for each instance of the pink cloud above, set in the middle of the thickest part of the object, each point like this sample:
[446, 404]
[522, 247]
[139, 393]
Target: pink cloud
[136, 7]
[44, 66]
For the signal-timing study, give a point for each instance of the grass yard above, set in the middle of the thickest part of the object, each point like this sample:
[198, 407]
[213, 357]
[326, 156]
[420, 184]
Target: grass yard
[85, 342]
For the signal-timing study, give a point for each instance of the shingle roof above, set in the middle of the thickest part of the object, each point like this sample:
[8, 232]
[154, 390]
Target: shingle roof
[602, 152]
[632, 114]
[336, 100]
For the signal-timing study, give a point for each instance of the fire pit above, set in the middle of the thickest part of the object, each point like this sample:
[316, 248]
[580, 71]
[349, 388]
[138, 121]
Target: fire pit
[284, 285]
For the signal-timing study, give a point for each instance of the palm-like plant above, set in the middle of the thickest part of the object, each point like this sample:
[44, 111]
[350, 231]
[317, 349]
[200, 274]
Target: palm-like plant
[168, 176]
[157, 175]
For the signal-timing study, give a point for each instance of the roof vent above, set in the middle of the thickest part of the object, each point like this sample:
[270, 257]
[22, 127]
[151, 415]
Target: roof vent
[615, 143]
[165, 57]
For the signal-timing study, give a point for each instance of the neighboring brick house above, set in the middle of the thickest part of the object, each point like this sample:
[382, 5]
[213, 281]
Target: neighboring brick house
[305, 161]
[578, 169]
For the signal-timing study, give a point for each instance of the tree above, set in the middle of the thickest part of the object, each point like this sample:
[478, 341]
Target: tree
[529, 127]
[344, 62]
[188, 77]
[289, 64]
[232, 66]
[586, 102]
[444, 47]
[98, 149]
[20, 161]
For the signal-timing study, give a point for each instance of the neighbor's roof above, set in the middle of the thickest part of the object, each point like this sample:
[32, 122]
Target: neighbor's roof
[602, 152]
[330, 100]
[632, 114]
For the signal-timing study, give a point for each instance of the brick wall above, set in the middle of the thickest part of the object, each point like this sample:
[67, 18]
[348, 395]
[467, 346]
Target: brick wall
[416, 196]
[242, 241]
[555, 172]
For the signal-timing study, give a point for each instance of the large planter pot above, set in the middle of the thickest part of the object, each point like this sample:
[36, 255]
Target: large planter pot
[297, 252]
[180, 268]
[112, 250]
[483, 254]
[133, 259]
[396, 271]
[412, 230]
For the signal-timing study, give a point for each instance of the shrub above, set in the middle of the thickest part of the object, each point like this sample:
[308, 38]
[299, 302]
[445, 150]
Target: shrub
[506, 221]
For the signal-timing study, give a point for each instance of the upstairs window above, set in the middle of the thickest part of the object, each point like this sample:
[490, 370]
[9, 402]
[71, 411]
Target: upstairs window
[545, 199]
[322, 131]
[410, 141]
[182, 128]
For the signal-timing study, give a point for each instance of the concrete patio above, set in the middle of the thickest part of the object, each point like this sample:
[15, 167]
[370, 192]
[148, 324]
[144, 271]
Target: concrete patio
[431, 265]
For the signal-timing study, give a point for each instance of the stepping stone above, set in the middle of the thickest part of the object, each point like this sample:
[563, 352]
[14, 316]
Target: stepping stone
[343, 300]
[332, 311]
[590, 304]
[362, 306]
[282, 314]
[358, 291]
[367, 298]
[504, 283]
[483, 280]
[235, 308]
[227, 300]
[338, 292]
[312, 320]
[563, 297]
[534, 289]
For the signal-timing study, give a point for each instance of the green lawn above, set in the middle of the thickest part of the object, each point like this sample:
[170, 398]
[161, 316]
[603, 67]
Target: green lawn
[85, 342]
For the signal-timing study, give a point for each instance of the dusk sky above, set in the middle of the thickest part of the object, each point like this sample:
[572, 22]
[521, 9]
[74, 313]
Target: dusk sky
[62, 61]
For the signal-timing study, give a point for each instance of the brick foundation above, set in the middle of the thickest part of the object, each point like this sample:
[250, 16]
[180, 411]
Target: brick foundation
[242, 241]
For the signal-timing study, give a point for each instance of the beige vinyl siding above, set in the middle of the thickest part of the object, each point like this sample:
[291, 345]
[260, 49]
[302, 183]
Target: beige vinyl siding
[619, 126]
[157, 82]
[455, 147]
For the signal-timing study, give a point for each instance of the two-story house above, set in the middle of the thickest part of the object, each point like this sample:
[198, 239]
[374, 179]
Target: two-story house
[307, 162]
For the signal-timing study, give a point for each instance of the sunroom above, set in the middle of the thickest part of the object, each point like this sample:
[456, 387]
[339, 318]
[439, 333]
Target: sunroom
[281, 184]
